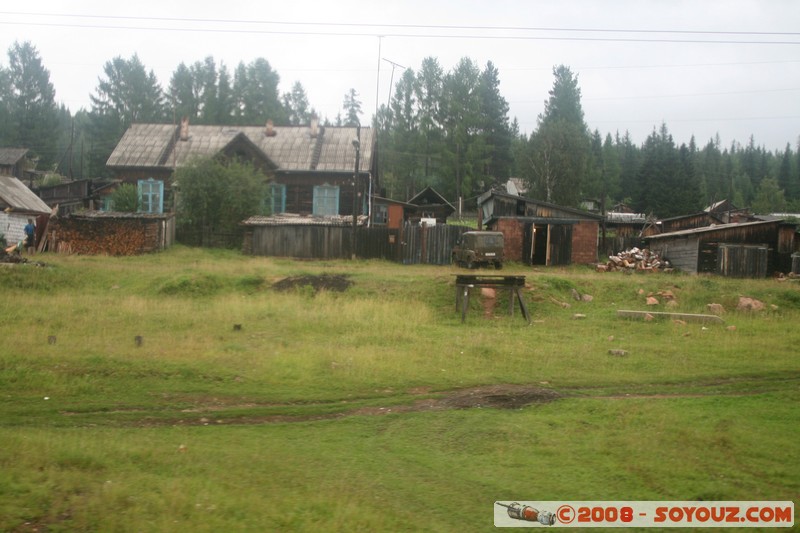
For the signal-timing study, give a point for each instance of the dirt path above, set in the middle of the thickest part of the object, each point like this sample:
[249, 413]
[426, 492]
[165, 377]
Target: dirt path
[502, 396]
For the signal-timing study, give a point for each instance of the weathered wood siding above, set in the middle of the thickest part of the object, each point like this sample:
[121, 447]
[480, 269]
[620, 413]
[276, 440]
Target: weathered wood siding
[698, 220]
[740, 261]
[303, 242]
[698, 251]
[300, 190]
[681, 252]
[430, 245]
[410, 245]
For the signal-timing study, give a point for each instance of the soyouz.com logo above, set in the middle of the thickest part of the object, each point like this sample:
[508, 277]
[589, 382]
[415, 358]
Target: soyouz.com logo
[643, 514]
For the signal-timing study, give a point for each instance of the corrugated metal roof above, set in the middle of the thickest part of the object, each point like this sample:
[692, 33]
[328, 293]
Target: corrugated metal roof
[290, 219]
[121, 215]
[291, 148]
[16, 196]
[717, 227]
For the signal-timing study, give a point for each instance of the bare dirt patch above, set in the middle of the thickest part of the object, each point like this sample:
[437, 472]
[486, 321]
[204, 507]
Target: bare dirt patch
[498, 396]
[327, 282]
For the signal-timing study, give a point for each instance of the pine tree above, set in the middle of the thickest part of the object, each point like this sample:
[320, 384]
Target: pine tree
[559, 149]
[494, 126]
[296, 104]
[126, 95]
[255, 93]
[29, 101]
[352, 108]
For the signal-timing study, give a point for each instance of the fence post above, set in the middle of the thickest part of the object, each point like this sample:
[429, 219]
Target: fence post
[423, 258]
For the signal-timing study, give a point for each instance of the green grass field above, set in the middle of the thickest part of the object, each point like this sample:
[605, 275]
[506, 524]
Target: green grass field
[183, 392]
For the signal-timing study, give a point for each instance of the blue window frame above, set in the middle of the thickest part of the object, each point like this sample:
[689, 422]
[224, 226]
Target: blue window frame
[276, 199]
[151, 196]
[326, 200]
[380, 215]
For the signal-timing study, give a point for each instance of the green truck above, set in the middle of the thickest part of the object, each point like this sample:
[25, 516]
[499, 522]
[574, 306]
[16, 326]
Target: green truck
[479, 248]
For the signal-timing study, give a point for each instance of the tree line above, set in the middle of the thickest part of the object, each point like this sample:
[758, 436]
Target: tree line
[447, 129]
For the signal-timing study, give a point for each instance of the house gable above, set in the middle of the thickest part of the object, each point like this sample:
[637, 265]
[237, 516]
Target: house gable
[431, 204]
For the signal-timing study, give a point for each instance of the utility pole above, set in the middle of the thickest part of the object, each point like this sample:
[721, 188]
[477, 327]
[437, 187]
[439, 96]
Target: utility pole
[357, 146]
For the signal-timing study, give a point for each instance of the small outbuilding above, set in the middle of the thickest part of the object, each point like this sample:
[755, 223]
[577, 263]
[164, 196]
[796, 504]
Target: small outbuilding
[18, 204]
[431, 206]
[540, 233]
[13, 162]
[748, 250]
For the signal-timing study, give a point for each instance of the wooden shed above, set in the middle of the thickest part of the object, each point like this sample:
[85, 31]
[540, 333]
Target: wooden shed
[18, 204]
[540, 233]
[431, 205]
[752, 249]
[13, 162]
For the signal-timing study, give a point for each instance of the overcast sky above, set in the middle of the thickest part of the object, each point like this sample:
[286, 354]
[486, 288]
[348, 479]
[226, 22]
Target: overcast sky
[703, 67]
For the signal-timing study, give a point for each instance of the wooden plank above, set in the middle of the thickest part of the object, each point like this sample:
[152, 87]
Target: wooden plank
[522, 305]
[688, 317]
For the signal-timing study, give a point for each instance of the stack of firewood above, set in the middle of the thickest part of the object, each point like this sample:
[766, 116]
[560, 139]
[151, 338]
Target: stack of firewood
[635, 259]
[97, 237]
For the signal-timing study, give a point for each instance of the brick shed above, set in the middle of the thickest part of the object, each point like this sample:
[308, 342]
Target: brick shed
[111, 233]
[540, 233]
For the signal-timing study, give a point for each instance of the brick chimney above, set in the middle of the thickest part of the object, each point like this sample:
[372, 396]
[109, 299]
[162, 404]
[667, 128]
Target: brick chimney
[184, 129]
[269, 131]
[314, 129]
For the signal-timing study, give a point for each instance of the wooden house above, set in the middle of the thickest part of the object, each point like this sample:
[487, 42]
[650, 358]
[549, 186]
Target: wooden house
[540, 233]
[79, 195]
[18, 204]
[310, 169]
[752, 249]
[684, 222]
[431, 206]
[13, 162]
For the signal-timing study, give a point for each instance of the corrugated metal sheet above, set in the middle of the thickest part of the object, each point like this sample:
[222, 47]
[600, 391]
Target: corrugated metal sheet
[16, 196]
[291, 148]
[291, 219]
[718, 227]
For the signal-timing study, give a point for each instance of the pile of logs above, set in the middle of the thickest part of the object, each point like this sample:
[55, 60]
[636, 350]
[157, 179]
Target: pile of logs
[635, 259]
[98, 236]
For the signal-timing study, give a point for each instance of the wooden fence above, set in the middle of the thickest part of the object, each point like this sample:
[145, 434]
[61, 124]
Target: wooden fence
[409, 245]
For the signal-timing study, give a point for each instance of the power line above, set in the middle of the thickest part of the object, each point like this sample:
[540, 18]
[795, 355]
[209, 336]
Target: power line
[240, 31]
[683, 95]
[655, 66]
[405, 26]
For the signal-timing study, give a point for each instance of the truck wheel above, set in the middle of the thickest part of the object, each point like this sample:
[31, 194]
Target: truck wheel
[498, 266]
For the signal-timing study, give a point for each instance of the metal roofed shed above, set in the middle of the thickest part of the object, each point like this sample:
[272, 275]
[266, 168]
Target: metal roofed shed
[540, 233]
[17, 204]
[751, 249]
